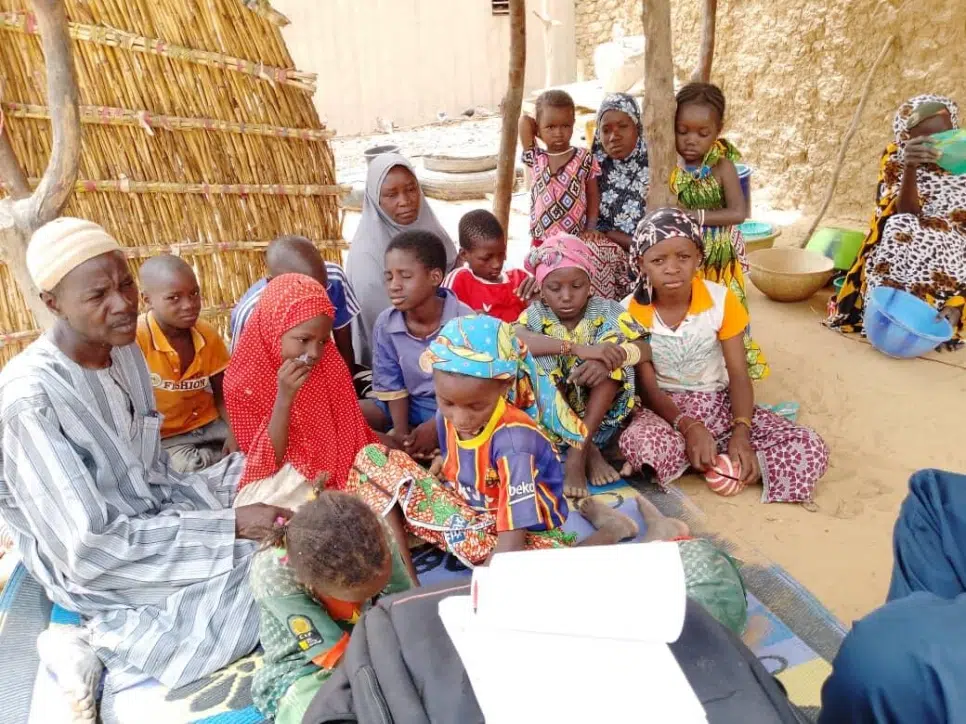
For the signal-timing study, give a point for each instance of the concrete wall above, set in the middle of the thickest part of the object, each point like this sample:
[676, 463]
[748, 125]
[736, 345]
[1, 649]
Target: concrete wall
[793, 71]
[406, 60]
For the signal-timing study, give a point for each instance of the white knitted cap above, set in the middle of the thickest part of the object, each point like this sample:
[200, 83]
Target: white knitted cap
[62, 245]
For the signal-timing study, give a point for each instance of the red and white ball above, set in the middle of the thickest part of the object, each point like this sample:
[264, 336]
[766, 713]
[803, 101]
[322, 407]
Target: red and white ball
[724, 477]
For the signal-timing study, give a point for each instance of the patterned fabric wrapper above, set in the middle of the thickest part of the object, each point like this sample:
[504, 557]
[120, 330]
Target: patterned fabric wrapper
[433, 511]
[792, 457]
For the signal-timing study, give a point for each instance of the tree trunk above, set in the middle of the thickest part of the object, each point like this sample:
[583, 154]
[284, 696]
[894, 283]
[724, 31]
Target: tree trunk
[21, 215]
[702, 71]
[512, 102]
[659, 108]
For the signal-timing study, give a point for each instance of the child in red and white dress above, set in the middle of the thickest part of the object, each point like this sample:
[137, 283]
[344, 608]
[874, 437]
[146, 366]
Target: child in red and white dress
[481, 283]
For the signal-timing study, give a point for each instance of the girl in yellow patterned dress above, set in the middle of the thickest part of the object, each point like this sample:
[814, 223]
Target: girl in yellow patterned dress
[707, 185]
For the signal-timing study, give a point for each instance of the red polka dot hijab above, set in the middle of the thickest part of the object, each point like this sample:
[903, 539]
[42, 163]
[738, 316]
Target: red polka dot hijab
[326, 426]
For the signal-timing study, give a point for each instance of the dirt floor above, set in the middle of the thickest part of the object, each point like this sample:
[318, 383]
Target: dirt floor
[882, 418]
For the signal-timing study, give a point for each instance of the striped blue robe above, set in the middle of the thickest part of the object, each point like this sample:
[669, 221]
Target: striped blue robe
[147, 555]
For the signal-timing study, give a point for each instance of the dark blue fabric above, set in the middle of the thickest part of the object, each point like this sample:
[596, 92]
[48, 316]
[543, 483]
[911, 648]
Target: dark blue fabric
[906, 662]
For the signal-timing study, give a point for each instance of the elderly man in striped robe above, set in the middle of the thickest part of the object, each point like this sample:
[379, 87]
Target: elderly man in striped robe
[155, 562]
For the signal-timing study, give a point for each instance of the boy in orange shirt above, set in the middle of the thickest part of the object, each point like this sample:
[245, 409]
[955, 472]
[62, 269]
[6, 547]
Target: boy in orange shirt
[187, 359]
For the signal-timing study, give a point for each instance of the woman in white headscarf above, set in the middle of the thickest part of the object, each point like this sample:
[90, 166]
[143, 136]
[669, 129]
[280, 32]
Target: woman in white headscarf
[394, 203]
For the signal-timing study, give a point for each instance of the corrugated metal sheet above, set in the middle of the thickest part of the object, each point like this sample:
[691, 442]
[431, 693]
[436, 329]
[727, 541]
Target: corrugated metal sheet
[406, 60]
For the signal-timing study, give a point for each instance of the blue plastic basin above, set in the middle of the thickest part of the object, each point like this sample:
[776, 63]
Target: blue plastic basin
[901, 325]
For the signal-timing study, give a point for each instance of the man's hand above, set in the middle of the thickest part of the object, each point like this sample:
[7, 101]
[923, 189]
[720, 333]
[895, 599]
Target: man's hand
[256, 521]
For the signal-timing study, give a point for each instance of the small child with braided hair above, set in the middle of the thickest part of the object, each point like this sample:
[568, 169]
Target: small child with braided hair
[313, 579]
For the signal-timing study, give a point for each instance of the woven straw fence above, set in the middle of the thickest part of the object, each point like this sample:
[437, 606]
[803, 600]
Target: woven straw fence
[199, 138]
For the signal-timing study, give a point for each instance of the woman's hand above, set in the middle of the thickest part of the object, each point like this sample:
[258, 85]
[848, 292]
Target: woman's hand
[699, 444]
[589, 374]
[610, 354]
[741, 451]
[527, 290]
[291, 376]
[422, 443]
[953, 315]
[920, 151]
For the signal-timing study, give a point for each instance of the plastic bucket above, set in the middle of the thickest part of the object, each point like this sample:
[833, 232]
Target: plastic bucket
[901, 325]
[744, 178]
[840, 245]
[373, 151]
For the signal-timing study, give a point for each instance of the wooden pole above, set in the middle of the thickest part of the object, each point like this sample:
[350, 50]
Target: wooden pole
[512, 103]
[21, 216]
[847, 139]
[659, 105]
[702, 71]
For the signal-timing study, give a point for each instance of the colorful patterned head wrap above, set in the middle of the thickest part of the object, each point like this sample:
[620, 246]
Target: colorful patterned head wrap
[559, 252]
[918, 109]
[664, 224]
[485, 347]
[657, 226]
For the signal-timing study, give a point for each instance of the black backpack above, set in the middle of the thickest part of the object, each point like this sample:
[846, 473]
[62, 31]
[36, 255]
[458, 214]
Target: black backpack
[401, 668]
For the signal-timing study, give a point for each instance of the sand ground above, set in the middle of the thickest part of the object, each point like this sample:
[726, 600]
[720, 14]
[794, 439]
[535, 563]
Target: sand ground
[882, 418]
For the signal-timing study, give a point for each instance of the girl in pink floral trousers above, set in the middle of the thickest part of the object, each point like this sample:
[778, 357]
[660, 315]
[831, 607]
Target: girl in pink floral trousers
[698, 398]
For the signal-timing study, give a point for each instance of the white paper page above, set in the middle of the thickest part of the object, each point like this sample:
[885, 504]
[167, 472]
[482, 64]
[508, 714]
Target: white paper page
[632, 591]
[519, 676]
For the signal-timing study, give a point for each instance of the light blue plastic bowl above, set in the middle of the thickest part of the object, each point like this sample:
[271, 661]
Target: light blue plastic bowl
[755, 229]
[901, 325]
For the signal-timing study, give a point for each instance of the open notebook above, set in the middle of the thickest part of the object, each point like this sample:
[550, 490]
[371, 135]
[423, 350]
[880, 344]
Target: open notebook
[570, 636]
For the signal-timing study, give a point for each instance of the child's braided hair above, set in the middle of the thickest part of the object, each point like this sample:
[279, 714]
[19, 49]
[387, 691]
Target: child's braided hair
[706, 93]
[335, 540]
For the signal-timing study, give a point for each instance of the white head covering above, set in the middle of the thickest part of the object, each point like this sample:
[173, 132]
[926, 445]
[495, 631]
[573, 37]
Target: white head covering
[365, 264]
[60, 246]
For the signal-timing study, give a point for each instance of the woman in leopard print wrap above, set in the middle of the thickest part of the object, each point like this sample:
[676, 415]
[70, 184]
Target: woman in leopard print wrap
[917, 240]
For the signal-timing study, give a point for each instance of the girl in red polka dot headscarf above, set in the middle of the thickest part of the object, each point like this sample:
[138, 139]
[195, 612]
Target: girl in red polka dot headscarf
[288, 391]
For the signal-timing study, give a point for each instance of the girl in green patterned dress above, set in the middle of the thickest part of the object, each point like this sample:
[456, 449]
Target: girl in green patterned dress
[707, 185]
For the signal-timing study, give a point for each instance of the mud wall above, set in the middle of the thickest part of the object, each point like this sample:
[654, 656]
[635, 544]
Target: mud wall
[792, 73]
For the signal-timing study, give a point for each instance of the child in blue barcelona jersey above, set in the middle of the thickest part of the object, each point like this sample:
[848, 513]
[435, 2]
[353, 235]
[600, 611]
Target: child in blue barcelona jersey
[500, 481]
[316, 576]
[500, 485]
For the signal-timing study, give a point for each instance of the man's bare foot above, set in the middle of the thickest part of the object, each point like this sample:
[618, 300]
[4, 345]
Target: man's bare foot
[659, 526]
[599, 471]
[612, 526]
[66, 652]
[575, 476]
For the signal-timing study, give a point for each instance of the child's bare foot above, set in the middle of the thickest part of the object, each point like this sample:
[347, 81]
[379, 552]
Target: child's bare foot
[575, 475]
[612, 526]
[599, 471]
[627, 470]
[659, 526]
